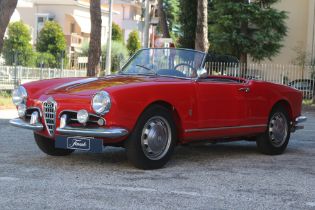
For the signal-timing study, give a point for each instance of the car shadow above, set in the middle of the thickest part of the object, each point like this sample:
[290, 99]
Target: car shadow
[112, 156]
[183, 154]
[193, 153]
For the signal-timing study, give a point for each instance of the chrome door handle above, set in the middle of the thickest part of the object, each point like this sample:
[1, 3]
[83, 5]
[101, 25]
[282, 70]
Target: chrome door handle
[244, 89]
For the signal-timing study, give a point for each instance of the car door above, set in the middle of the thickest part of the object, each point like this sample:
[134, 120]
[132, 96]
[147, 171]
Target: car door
[221, 103]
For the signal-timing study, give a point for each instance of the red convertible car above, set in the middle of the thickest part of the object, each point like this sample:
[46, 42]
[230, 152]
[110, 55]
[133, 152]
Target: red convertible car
[160, 98]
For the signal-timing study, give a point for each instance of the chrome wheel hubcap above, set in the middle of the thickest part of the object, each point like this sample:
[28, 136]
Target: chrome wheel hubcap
[278, 129]
[156, 138]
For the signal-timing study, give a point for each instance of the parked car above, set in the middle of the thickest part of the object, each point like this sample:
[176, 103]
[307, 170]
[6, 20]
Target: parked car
[161, 98]
[307, 86]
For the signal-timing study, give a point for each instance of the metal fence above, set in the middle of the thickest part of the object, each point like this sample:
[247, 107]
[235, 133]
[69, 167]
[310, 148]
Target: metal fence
[11, 76]
[299, 77]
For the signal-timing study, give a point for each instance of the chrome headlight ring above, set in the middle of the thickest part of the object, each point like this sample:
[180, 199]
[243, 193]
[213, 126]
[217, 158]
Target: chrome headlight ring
[101, 102]
[19, 96]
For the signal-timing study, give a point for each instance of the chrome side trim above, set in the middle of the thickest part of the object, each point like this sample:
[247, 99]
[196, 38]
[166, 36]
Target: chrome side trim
[94, 132]
[22, 124]
[223, 128]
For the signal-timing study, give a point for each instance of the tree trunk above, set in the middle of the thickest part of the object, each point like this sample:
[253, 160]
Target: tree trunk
[163, 21]
[93, 66]
[7, 8]
[243, 55]
[201, 42]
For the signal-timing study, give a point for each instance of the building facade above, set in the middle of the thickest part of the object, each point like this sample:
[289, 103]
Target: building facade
[74, 18]
[300, 40]
[129, 15]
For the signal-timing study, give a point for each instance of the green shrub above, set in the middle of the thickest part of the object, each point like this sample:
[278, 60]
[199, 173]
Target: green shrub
[117, 33]
[119, 55]
[18, 43]
[52, 40]
[6, 93]
[84, 49]
[133, 42]
[45, 60]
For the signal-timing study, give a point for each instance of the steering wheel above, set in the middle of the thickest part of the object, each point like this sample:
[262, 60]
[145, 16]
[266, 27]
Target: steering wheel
[191, 68]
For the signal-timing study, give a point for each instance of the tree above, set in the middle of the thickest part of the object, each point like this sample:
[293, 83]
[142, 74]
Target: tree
[95, 38]
[18, 44]
[201, 43]
[241, 28]
[52, 40]
[117, 33]
[133, 42]
[187, 19]
[171, 10]
[163, 20]
[7, 8]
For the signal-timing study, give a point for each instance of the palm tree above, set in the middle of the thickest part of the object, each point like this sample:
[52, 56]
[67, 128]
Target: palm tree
[201, 42]
[95, 38]
[7, 8]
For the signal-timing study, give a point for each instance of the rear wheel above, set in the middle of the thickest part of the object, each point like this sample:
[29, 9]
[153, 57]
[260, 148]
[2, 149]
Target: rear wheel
[47, 146]
[151, 144]
[276, 138]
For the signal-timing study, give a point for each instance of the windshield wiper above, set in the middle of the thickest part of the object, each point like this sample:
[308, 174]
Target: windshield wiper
[146, 68]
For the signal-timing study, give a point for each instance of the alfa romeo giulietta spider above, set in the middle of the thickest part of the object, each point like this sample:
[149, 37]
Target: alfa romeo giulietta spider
[161, 98]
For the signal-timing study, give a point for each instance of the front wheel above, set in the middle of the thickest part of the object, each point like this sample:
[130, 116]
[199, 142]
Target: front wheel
[151, 144]
[276, 138]
[47, 146]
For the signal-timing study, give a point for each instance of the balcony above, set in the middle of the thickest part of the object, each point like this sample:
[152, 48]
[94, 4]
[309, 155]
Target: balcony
[75, 41]
[133, 25]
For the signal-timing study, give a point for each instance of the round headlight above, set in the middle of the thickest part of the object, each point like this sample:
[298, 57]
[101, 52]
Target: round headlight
[82, 116]
[101, 102]
[19, 95]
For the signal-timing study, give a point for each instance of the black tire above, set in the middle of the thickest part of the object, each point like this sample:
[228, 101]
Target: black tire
[136, 148]
[47, 146]
[267, 143]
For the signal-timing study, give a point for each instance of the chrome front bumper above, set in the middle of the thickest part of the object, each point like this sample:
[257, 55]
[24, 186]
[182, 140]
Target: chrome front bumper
[23, 124]
[296, 124]
[71, 131]
[94, 132]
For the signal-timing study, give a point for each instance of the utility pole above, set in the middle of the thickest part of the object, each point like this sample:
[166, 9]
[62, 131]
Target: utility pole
[146, 24]
[109, 41]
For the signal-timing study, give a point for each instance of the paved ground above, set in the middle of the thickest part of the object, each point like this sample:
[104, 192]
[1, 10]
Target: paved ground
[223, 176]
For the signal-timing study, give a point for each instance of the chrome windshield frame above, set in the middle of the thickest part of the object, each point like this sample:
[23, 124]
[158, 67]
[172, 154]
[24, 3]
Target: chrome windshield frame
[121, 72]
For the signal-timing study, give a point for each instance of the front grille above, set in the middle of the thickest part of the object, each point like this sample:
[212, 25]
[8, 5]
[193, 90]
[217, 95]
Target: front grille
[49, 109]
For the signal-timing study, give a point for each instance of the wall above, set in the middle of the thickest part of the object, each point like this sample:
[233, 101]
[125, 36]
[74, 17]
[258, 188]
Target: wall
[299, 25]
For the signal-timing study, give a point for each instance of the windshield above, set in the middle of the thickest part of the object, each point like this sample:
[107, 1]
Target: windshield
[165, 62]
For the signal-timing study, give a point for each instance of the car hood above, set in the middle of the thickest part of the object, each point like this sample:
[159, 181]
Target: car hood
[88, 86]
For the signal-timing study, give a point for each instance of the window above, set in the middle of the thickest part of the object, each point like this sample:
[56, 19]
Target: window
[72, 27]
[40, 19]
[40, 23]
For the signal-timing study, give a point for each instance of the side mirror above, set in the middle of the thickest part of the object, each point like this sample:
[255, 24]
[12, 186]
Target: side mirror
[202, 73]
